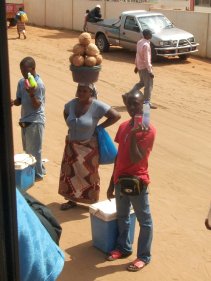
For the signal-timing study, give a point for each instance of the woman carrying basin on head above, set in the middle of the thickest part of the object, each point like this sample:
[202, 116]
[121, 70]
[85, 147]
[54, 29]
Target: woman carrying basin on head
[79, 177]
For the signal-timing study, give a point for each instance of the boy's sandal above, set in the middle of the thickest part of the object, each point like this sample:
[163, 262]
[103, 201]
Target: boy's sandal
[68, 205]
[136, 265]
[116, 254]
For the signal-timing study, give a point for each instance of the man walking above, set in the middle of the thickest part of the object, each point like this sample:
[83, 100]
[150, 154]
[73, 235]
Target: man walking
[144, 66]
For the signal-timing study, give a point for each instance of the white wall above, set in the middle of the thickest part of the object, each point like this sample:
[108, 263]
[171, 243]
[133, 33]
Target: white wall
[202, 9]
[174, 4]
[59, 13]
[36, 11]
[114, 9]
[208, 46]
[70, 14]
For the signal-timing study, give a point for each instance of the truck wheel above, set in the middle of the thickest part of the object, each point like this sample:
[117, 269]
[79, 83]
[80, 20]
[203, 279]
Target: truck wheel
[184, 57]
[102, 43]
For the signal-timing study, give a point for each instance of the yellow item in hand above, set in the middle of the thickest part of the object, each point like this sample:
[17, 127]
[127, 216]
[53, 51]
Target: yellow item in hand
[32, 81]
[24, 17]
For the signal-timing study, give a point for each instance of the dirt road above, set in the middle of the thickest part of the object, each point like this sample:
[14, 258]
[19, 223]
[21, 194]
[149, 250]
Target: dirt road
[180, 164]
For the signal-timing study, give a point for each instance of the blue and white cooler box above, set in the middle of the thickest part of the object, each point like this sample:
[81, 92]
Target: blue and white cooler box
[104, 225]
[24, 170]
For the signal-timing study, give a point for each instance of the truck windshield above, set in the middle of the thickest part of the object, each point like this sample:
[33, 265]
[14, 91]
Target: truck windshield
[155, 23]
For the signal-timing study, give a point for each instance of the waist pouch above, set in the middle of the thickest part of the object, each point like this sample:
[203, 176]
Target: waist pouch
[24, 124]
[130, 185]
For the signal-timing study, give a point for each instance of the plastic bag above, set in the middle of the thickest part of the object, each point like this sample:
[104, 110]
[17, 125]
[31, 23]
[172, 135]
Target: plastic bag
[24, 17]
[107, 148]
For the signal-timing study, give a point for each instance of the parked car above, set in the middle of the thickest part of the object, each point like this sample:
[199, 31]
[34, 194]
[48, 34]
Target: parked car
[167, 40]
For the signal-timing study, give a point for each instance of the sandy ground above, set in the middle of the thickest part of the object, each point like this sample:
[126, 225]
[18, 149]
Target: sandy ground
[179, 165]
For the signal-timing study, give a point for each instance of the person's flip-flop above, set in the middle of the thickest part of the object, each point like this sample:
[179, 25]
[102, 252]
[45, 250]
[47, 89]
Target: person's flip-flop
[68, 205]
[136, 265]
[116, 254]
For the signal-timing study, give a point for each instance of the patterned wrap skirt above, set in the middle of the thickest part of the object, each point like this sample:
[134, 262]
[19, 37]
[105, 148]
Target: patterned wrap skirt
[79, 178]
[21, 27]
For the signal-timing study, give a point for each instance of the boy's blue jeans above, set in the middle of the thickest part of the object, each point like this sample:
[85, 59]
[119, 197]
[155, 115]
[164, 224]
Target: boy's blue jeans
[32, 137]
[141, 207]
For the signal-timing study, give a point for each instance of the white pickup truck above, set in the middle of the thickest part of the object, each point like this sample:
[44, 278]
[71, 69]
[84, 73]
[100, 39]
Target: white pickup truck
[167, 40]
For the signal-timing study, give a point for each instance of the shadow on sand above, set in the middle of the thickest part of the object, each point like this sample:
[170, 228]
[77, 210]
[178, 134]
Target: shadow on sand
[78, 213]
[88, 263]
